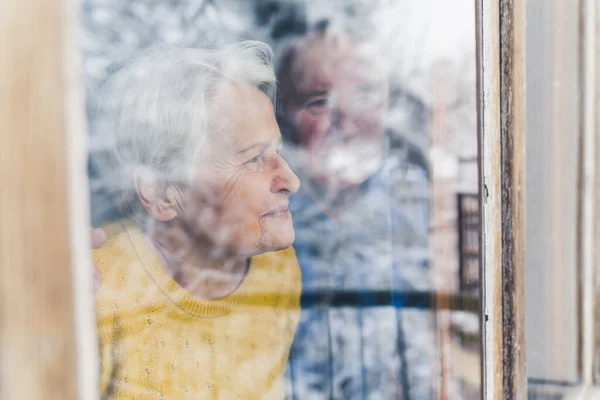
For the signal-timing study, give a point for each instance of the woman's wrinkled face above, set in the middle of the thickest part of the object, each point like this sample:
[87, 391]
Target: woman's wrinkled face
[339, 111]
[239, 197]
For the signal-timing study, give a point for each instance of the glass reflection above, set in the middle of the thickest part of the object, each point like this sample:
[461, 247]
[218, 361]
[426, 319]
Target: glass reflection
[376, 108]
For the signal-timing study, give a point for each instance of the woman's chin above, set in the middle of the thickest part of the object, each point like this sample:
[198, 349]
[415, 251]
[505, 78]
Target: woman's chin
[279, 238]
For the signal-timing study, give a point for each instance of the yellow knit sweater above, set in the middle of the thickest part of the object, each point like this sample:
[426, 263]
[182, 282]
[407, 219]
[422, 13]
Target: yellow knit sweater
[158, 341]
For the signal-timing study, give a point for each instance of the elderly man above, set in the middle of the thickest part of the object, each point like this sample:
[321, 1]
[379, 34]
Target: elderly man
[361, 225]
[200, 287]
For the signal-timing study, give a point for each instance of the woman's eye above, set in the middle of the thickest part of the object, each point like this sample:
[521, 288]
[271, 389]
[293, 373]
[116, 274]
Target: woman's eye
[259, 160]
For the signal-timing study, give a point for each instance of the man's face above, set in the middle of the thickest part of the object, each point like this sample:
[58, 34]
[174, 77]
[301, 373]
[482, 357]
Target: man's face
[338, 110]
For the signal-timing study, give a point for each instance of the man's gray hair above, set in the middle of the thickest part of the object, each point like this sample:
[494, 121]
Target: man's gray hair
[158, 111]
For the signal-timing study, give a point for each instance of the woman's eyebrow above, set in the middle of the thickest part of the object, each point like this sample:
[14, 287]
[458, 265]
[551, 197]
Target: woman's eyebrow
[261, 145]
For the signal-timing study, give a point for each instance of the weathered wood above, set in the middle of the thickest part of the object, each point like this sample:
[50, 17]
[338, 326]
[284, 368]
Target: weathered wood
[488, 89]
[501, 66]
[512, 159]
[595, 31]
[587, 193]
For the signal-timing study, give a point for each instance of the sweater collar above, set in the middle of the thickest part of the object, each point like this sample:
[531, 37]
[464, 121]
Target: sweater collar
[182, 298]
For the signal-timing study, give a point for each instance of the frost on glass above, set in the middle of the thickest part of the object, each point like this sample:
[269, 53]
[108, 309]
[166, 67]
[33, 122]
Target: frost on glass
[376, 106]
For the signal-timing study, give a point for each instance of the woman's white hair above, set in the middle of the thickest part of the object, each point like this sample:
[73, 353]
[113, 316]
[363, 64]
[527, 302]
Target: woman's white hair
[157, 111]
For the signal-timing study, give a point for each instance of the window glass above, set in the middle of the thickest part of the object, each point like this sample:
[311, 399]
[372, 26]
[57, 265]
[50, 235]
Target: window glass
[290, 195]
[553, 187]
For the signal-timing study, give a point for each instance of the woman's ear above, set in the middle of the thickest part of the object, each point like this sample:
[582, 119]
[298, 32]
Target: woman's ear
[175, 198]
[157, 200]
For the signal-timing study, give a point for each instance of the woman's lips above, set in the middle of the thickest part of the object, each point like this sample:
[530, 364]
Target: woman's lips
[281, 212]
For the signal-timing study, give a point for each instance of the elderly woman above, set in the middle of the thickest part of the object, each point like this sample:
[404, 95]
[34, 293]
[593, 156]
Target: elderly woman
[200, 287]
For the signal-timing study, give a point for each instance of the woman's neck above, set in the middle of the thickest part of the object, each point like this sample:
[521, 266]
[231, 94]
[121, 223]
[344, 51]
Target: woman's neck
[194, 267]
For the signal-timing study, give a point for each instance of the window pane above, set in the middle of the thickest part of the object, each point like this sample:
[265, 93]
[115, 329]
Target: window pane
[553, 134]
[376, 106]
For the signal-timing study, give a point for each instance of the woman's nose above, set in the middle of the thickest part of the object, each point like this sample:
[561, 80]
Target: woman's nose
[285, 179]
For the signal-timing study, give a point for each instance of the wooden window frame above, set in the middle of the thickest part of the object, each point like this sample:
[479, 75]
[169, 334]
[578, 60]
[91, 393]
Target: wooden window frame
[502, 108]
[48, 339]
[59, 225]
[501, 112]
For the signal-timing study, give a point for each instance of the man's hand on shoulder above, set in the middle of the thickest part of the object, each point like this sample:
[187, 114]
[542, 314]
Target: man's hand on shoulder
[98, 239]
